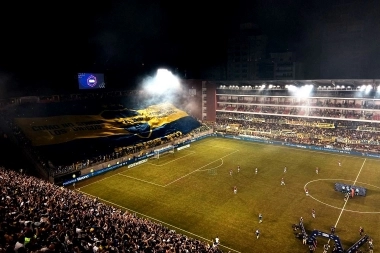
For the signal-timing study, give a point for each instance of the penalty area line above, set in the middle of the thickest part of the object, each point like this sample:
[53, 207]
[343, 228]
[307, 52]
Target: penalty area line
[172, 160]
[144, 181]
[201, 168]
[215, 167]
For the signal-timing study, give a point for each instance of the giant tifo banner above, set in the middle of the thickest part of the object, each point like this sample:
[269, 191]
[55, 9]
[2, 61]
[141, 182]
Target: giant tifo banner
[139, 124]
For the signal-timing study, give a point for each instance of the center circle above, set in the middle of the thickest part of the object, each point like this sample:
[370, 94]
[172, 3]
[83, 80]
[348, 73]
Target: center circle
[332, 206]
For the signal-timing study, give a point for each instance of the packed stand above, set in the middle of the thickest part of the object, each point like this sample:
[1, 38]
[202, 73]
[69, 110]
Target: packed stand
[345, 135]
[37, 216]
[59, 169]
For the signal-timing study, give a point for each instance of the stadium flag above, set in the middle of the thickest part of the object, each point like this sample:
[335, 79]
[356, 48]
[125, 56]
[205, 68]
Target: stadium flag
[61, 129]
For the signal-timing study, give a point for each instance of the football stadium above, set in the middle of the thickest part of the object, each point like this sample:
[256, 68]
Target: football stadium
[253, 166]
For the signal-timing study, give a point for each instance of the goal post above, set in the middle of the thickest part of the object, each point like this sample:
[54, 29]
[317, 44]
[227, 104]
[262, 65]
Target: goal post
[162, 151]
[156, 155]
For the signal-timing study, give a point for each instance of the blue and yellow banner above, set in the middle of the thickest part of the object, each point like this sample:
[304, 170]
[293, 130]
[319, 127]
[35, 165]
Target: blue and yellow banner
[139, 124]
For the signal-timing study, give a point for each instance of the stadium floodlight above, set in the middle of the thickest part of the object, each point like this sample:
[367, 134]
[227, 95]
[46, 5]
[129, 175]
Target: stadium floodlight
[163, 82]
[303, 91]
[368, 89]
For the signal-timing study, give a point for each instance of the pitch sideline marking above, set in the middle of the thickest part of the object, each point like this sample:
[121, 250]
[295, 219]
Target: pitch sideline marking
[97, 181]
[300, 149]
[151, 218]
[265, 144]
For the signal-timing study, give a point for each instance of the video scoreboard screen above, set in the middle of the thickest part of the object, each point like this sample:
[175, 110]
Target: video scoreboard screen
[91, 81]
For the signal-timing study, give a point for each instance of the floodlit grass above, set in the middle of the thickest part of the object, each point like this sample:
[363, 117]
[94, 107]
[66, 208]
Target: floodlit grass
[191, 191]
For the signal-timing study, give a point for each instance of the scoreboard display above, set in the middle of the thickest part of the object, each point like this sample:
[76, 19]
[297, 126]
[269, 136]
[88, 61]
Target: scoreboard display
[91, 81]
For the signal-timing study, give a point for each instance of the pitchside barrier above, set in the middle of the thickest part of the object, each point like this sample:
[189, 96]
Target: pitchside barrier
[301, 146]
[130, 162]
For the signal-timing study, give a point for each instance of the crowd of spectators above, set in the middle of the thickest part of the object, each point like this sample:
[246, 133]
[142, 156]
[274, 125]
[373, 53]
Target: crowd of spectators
[310, 108]
[133, 150]
[55, 169]
[347, 135]
[72, 166]
[37, 216]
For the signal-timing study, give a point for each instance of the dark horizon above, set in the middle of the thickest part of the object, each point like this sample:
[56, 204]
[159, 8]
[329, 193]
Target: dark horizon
[128, 40]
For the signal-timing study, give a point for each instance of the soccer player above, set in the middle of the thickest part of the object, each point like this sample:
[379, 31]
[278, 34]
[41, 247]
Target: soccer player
[238, 168]
[235, 189]
[285, 169]
[317, 170]
[256, 170]
[257, 234]
[313, 213]
[282, 181]
[304, 237]
[301, 219]
[326, 248]
[307, 192]
[260, 218]
[216, 240]
[332, 229]
[230, 172]
[339, 163]
[370, 247]
[361, 231]
[370, 241]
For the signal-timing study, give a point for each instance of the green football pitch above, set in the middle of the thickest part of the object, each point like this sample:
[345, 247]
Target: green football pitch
[191, 191]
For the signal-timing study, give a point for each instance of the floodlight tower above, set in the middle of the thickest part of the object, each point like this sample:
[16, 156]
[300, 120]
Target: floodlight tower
[163, 82]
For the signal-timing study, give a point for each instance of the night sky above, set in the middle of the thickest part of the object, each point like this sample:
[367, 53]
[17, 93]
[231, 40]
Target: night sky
[45, 45]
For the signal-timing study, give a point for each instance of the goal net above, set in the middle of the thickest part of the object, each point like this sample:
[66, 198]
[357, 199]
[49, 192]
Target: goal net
[158, 153]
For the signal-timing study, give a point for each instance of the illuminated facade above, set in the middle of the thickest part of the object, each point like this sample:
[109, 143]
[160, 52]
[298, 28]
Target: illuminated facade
[325, 100]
